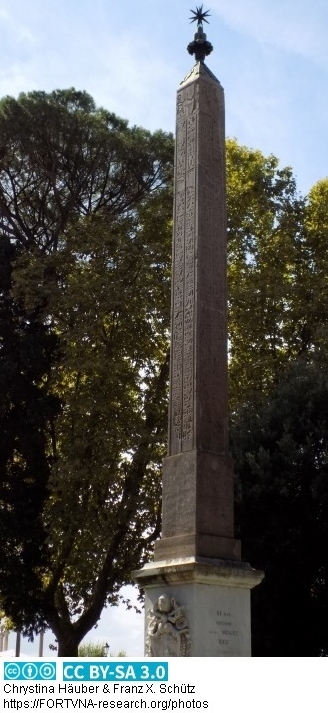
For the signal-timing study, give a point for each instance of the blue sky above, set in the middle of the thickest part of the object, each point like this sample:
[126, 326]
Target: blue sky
[271, 58]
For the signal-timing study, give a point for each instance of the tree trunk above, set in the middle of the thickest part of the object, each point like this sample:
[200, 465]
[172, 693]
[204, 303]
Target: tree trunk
[68, 645]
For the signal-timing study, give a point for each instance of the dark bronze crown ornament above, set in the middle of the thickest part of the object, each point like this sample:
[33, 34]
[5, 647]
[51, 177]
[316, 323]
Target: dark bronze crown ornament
[200, 46]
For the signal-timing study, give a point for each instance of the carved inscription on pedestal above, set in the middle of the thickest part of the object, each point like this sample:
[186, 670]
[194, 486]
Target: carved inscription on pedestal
[224, 632]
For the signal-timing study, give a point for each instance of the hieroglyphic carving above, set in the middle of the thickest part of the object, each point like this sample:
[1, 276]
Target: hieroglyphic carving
[177, 312]
[189, 317]
[191, 141]
[182, 371]
[181, 142]
[211, 289]
[176, 404]
[167, 630]
[199, 294]
[189, 288]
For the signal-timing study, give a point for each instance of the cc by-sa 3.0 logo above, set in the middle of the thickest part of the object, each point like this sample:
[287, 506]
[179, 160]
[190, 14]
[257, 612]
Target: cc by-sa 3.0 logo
[31, 671]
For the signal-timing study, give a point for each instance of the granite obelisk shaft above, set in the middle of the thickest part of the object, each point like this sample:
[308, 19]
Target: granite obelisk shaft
[198, 490]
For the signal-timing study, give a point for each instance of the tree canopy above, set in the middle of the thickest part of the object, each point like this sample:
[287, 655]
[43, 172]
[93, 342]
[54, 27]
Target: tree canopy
[277, 267]
[85, 207]
[281, 457]
[266, 218]
[278, 366]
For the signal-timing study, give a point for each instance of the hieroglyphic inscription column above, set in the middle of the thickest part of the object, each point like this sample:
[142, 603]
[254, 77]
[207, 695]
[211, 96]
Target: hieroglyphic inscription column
[183, 293]
[198, 387]
[197, 474]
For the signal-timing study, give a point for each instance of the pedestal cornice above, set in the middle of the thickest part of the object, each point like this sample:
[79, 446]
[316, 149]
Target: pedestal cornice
[200, 570]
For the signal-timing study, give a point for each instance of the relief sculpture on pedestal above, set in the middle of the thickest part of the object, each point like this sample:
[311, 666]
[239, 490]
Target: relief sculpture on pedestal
[167, 630]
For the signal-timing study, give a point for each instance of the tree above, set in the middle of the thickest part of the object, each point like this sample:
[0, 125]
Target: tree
[281, 456]
[278, 345]
[27, 413]
[267, 261]
[86, 203]
[314, 283]
[277, 263]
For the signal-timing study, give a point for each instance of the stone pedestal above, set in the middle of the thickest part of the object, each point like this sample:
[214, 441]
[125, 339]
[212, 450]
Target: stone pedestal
[197, 607]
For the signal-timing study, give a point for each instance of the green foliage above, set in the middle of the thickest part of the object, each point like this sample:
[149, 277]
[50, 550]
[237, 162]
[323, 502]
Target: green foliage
[277, 268]
[281, 456]
[91, 650]
[278, 345]
[27, 414]
[86, 201]
[62, 159]
[267, 263]
[314, 284]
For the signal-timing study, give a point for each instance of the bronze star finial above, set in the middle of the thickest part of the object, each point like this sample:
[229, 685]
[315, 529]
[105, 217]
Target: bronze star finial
[199, 15]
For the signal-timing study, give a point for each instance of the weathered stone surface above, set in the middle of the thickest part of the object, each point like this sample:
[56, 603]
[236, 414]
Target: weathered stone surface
[198, 502]
[167, 630]
[203, 545]
[198, 381]
[217, 617]
[198, 474]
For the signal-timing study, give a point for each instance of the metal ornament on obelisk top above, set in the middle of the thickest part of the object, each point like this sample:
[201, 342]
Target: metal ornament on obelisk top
[197, 590]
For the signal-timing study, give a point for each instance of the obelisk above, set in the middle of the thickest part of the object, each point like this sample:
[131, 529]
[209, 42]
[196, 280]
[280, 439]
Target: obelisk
[197, 589]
